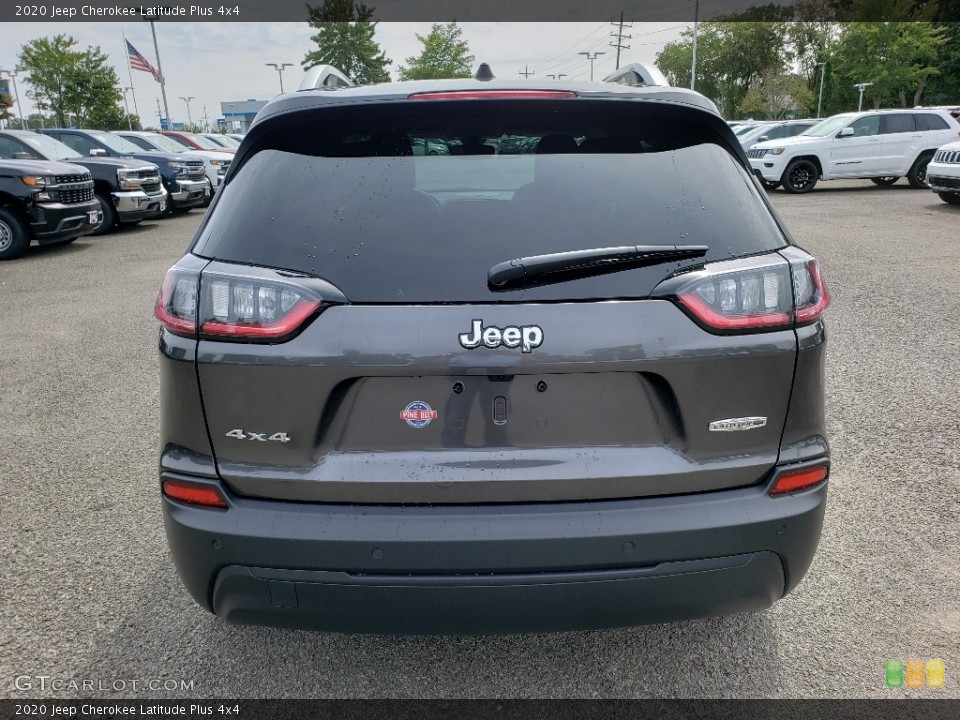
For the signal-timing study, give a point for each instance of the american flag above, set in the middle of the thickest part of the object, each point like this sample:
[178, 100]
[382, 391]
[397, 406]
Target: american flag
[139, 62]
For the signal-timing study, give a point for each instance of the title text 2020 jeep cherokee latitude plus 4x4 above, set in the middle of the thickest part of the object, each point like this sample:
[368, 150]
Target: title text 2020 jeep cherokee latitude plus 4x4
[576, 387]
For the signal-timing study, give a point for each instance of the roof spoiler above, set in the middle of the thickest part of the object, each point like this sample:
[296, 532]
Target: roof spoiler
[638, 74]
[324, 77]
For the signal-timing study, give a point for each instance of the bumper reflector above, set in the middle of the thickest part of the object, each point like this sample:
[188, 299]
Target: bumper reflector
[802, 479]
[194, 494]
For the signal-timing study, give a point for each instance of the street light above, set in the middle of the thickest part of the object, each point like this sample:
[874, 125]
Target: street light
[16, 93]
[861, 87]
[279, 67]
[187, 101]
[126, 107]
[591, 57]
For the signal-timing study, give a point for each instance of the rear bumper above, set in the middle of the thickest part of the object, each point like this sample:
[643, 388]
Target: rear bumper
[495, 568]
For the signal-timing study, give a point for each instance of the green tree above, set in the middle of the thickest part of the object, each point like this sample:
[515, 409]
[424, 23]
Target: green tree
[775, 95]
[6, 103]
[74, 85]
[944, 87]
[445, 54]
[345, 40]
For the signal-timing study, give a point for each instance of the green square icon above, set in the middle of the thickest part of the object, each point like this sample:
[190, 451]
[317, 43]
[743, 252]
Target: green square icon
[894, 673]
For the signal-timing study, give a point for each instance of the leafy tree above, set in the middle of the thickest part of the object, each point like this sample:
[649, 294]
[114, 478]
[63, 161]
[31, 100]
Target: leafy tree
[112, 118]
[445, 54]
[775, 95]
[944, 87]
[74, 85]
[345, 40]
[6, 102]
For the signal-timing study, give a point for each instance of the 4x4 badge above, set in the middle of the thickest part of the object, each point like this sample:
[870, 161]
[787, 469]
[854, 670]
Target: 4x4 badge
[525, 337]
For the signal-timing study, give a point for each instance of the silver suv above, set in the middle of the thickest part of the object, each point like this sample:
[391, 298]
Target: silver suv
[569, 382]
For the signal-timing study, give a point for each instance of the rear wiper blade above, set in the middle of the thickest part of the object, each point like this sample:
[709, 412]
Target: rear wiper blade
[535, 270]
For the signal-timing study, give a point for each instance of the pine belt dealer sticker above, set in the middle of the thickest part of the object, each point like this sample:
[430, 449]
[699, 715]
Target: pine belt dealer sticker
[418, 414]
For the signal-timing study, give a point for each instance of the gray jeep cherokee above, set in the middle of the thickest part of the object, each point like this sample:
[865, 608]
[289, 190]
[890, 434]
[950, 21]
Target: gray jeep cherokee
[570, 380]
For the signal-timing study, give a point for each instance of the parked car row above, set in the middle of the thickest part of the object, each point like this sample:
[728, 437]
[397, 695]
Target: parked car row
[58, 184]
[878, 145]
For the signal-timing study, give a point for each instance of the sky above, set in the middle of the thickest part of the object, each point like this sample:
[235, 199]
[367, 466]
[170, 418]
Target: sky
[222, 62]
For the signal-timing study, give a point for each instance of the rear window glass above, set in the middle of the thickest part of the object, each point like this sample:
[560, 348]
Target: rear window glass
[900, 123]
[929, 121]
[417, 207]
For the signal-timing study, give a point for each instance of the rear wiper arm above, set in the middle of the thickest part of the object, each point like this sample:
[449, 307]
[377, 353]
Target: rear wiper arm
[538, 270]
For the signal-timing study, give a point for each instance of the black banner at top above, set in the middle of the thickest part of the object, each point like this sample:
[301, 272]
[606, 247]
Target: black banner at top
[483, 10]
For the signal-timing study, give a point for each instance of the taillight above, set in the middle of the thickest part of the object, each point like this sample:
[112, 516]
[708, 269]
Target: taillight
[762, 294]
[493, 95]
[255, 306]
[194, 494]
[176, 305]
[801, 479]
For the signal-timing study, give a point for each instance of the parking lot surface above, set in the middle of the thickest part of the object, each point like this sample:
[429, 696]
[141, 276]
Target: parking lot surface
[89, 592]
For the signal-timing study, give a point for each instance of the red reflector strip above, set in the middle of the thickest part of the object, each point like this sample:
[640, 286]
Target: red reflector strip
[194, 494]
[794, 480]
[287, 325]
[711, 317]
[493, 95]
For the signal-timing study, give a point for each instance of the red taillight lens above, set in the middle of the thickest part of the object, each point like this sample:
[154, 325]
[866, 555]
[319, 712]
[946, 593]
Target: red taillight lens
[493, 95]
[176, 306]
[810, 292]
[248, 308]
[194, 494]
[745, 300]
[794, 480]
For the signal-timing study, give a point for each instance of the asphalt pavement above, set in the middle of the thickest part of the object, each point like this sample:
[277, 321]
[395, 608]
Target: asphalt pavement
[90, 597]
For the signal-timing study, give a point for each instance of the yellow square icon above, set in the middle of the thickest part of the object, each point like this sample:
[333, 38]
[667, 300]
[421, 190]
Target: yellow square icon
[915, 673]
[936, 673]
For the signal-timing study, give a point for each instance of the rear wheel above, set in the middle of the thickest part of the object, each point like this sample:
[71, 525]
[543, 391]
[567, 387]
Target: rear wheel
[109, 216]
[950, 198]
[918, 173]
[885, 181]
[13, 238]
[800, 176]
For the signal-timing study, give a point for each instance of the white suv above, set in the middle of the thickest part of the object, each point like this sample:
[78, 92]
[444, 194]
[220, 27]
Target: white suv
[943, 173]
[882, 145]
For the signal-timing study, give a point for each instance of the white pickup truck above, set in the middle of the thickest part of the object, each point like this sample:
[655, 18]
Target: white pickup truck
[880, 145]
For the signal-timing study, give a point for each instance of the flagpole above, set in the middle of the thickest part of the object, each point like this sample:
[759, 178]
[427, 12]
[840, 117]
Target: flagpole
[163, 80]
[126, 52]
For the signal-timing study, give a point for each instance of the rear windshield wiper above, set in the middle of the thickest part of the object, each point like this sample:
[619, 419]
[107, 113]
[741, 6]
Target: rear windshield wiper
[536, 270]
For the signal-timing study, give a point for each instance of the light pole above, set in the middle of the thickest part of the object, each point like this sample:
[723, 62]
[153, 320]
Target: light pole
[279, 67]
[187, 101]
[820, 101]
[16, 93]
[861, 87]
[126, 107]
[591, 57]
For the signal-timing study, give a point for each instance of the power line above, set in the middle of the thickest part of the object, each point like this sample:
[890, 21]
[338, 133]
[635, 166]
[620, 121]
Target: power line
[620, 37]
[527, 72]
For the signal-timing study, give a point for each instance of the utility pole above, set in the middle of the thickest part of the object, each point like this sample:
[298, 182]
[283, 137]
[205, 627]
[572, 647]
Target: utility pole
[16, 93]
[527, 72]
[823, 65]
[163, 80]
[591, 57]
[206, 124]
[861, 87]
[696, 31]
[279, 67]
[187, 101]
[620, 37]
[561, 76]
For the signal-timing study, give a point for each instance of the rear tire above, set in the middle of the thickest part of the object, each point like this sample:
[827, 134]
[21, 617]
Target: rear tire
[109, 223]
[918, 173]
[950, 198]
[13, 237]
[885, 181]
[800, 177]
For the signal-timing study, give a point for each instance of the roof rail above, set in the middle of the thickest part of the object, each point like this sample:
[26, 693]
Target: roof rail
[324, 77]
[638, 74]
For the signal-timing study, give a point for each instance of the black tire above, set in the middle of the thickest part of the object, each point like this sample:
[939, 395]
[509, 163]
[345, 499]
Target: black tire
[800, 176]
[13, 237]
[769, 184]
[918, 173]
[885, 181]
[109, 223]
[950, 198]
